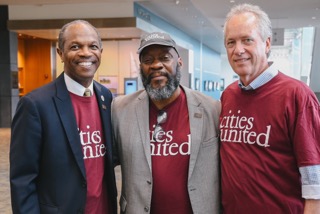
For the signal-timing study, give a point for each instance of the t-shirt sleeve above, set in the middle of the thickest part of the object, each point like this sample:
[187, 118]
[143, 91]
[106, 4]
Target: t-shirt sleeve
[306, 131]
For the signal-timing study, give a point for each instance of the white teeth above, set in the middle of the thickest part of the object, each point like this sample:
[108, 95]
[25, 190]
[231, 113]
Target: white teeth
[85, 63]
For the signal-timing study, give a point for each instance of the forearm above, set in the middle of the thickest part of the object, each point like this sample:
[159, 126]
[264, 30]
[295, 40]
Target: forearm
[312, 206]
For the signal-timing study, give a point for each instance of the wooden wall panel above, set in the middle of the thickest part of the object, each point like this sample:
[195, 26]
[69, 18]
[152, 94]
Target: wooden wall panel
[37, 63]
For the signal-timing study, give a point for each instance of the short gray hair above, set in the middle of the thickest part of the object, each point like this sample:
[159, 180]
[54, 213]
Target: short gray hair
[263, 22]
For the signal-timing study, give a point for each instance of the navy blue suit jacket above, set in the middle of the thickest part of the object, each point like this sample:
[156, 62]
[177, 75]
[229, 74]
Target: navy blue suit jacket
[47, 172]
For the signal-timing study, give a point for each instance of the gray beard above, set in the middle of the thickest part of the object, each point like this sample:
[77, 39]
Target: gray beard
[166, 91]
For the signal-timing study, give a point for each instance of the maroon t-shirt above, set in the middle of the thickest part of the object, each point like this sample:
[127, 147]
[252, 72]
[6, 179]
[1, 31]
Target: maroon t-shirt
[94, 150]
[266, 135]
[170, 159]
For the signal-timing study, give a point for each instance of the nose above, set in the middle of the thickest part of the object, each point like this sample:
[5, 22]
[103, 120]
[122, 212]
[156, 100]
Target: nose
[156, 64]
[85, 51]
[239, 49]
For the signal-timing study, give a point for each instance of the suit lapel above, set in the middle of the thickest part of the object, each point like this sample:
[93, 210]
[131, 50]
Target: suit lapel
[196, 126]
[104, 107]
[142, 116]
[66, 113]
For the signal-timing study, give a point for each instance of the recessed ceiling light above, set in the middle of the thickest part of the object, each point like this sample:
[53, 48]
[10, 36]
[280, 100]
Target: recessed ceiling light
[314, 18]
[177, 2]
[232, 1]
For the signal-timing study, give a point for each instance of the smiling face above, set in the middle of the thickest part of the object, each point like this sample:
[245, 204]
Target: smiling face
[81, 52]
[247, 52]
[160, 71]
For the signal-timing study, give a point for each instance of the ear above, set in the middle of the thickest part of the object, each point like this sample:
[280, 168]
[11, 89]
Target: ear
[60, 54]
[268, 45]
[180, 62]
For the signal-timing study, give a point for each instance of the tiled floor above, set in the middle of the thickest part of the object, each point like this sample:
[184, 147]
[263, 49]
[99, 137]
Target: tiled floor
[5, 205]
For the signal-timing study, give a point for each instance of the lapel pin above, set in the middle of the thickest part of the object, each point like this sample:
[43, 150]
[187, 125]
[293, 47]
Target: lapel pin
[197, 115]
[102, 97]
[104, 106]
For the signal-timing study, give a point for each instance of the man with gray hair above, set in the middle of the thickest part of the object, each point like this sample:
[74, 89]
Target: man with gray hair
[269, 123]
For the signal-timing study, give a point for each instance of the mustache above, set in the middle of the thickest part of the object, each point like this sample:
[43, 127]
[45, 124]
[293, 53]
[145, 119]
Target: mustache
[156, 73]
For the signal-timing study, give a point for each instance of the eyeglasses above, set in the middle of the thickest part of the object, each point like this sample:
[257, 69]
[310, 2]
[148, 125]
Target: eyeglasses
[158, 132]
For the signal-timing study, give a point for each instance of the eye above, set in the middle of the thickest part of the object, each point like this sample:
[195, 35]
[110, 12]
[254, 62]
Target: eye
[248, 41]
[165, 58]
[230, 44]
[94, 47]
[147, 60]
[74, 47]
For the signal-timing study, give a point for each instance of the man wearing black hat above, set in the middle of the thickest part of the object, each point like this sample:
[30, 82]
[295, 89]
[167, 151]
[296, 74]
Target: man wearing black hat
[166, 138]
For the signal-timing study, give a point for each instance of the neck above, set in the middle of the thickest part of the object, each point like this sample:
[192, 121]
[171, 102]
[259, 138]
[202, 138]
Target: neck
[160, 104]
[247, 79]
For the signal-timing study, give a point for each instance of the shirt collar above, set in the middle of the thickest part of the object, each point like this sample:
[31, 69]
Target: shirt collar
[74, 87]
[262, 79]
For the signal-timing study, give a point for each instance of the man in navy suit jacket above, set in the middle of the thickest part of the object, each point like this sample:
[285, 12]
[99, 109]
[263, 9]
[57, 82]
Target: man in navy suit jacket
[56, 165]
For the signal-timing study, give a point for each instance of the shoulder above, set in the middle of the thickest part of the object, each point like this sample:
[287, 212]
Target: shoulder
[124, 107]
[291, 82]
[38, 99]
[198, 99]
[130, 99]
[291, 85]
[234, 86]
[42, 93]
[49, 89]
[197, 96]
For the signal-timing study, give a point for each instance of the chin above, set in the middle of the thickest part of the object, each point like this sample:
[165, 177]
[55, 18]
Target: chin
[157, 84]
[241, 71]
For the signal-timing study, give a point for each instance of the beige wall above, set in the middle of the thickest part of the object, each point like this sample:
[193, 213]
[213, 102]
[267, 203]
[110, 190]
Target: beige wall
[119, 60]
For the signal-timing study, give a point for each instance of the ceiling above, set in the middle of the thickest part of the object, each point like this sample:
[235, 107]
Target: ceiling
[204, 19]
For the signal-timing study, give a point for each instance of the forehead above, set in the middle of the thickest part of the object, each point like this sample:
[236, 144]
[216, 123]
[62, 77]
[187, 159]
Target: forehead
[241, 25]
[80, 32]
